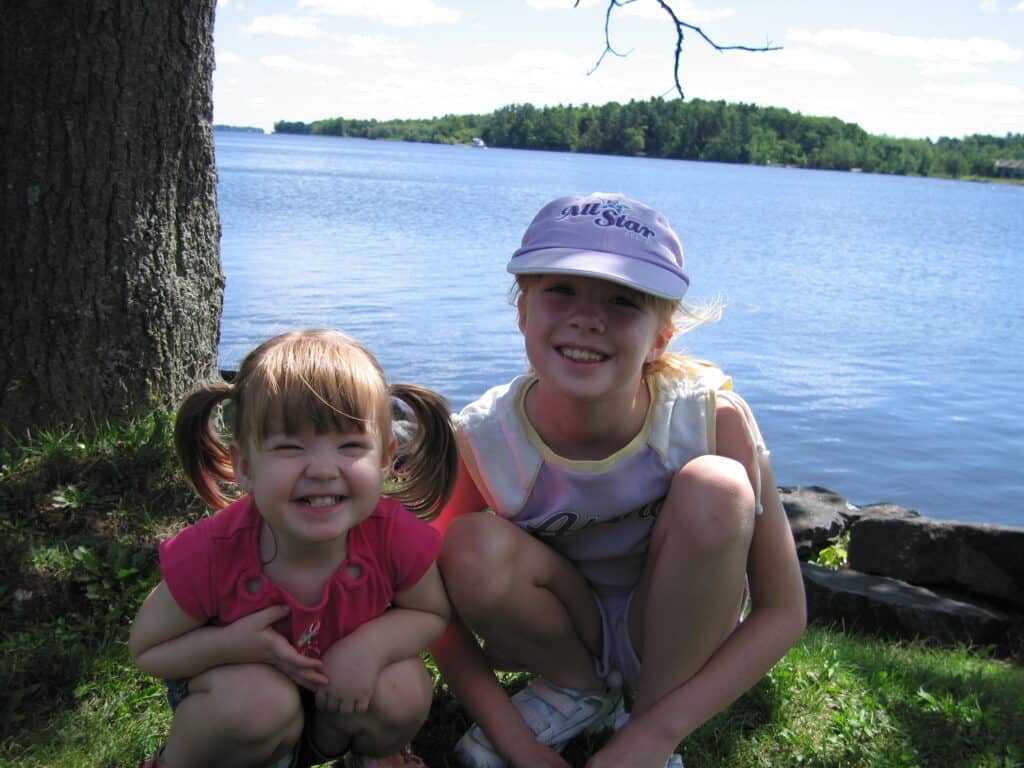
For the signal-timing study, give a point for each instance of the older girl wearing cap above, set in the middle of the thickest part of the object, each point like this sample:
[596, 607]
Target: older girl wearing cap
[634, 512]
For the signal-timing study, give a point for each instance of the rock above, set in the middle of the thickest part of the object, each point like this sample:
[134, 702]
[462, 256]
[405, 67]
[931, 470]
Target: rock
[883, 510]
[910, 576]
[985, 560]
[817, 516]
[895, 609]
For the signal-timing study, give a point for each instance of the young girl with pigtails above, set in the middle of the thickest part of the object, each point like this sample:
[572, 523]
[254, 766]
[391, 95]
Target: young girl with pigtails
[290, 624]
[632, 513]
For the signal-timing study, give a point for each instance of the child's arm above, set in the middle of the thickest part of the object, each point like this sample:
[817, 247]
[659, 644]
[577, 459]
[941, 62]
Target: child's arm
[465, 669]
[168, 643]
[775, 622]
[404, 631]
[465, 498]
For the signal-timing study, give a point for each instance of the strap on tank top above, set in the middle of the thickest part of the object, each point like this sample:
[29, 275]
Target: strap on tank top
[754, 434]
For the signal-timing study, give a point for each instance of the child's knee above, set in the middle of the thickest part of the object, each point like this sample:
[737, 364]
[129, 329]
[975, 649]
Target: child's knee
[476, 550]
[711, 502]
[255, 703]
[403, 695]
[399, 708]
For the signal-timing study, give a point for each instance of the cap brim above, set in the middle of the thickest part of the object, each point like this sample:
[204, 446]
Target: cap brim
[634, 273]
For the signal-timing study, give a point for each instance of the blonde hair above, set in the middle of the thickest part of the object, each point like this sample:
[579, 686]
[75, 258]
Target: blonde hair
[674, 317]
[328, 380]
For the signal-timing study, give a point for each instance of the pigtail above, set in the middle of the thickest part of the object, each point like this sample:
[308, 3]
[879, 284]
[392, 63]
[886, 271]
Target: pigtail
[204, 457]
[426, 465]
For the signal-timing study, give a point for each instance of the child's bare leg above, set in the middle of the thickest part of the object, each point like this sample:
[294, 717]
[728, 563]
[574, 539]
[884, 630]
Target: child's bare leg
[690, 596]
[240, 715]
[526, 601]
[400, 705]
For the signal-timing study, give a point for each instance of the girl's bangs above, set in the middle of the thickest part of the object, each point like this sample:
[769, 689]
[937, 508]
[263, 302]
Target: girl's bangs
[298, 407]
[327, 389]
[317, 379]
[336, 398]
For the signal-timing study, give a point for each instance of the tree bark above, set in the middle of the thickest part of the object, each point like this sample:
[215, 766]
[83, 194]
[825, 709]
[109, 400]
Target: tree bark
[110, 284]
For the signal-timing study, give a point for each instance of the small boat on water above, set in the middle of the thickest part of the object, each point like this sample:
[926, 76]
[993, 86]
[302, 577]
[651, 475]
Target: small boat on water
[478, 143]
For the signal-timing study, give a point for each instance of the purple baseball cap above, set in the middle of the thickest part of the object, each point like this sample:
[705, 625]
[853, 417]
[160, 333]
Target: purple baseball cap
[607, 236]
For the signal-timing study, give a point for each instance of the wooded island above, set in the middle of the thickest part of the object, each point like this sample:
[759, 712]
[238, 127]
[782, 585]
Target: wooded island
[698, 130]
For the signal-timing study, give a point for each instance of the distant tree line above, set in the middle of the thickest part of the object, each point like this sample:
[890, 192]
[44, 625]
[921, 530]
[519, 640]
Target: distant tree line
[237, 128]
[693, 130]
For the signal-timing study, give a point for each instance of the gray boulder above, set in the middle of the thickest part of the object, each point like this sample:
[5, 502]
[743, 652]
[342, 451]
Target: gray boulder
[816, 517]
[893, 608]
[884, 510]
[909, 576]
[984, 560]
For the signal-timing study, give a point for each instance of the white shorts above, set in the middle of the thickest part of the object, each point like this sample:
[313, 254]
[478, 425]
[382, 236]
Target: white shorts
[617, 651]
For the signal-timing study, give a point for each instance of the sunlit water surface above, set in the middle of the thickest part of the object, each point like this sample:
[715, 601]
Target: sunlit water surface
[873, 322]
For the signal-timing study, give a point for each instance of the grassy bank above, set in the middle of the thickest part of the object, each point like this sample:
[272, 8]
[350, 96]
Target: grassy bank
[79, 520]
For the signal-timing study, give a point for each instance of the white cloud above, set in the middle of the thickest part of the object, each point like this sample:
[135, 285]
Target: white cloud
[998, 93]
[547, 5]
[799, 59]
[1018, 7]
[396, 13]
[988, 6]
[381, 50]
[227, 57]
[283, 26]
[541, 60]
[371, 46]
[932, 54]
[288, 64]
[528, 67]
[393, 96]
[685, 10]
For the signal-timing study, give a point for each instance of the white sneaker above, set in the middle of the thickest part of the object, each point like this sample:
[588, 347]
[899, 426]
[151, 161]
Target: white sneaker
[554, 714]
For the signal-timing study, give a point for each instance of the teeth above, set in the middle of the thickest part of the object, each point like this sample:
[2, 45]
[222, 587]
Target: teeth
[582, 355]
[321, 501]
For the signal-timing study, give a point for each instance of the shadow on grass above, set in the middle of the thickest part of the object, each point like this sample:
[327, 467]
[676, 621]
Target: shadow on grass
[720, 740]
[949, 706]
[77, 556]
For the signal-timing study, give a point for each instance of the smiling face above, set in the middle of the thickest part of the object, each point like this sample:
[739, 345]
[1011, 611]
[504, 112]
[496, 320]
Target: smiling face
[312, 433]
[312, 487]
[588, 339]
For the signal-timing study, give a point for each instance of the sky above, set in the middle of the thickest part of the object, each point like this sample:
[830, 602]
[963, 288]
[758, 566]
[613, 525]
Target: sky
[902, 68]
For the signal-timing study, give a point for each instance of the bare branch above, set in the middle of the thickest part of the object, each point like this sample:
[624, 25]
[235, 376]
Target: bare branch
[681, 26]
[607, 34]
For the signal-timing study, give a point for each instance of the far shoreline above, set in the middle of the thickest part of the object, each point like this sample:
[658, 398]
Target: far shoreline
[979, 179]
[698, 129]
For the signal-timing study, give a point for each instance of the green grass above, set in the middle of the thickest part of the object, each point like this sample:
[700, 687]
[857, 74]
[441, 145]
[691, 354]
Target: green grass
[79, 520]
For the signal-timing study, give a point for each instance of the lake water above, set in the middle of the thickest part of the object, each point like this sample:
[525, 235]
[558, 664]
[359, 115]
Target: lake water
[873, 322]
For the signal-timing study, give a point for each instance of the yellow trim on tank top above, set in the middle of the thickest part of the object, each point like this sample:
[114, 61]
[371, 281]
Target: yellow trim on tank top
[584, 465]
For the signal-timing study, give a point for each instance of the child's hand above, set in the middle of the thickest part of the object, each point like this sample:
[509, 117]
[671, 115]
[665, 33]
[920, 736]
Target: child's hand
[353, 668]
[254, 639]
[635, 744]
[537, 755]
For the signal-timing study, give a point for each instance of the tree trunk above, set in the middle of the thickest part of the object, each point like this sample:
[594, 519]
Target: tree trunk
[110, 284]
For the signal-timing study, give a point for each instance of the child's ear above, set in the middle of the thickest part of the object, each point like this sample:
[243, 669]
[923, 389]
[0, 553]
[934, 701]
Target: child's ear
[521, 307]
[661, 340]
[241, 467]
